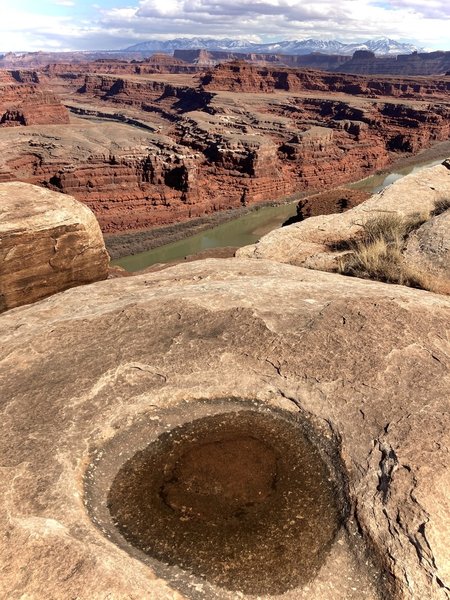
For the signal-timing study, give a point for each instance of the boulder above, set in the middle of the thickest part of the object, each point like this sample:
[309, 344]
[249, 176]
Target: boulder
[428, 250]
[48, 242]
[285, 408]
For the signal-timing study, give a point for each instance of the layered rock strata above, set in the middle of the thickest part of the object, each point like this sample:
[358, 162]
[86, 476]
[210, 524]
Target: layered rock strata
[244, 77]
[129, 177]
[188, 152]
[92, 376]
[48, 242]
[23, 101]
[157, 63]
[417, 63]
[362, 62]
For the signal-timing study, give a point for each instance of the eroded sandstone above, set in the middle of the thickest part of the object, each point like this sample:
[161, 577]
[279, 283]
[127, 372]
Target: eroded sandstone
[184, 152]
[321, 241]
[240, 76]
[361, 367]
[428, 248]
[23, 101]
[48, 242]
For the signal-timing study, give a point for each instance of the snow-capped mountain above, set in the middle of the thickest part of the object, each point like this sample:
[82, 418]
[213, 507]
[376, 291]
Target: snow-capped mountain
[383, 46]
[380, 46]
[191, 44]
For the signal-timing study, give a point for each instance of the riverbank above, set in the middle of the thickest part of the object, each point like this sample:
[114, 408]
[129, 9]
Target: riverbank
[131, 243]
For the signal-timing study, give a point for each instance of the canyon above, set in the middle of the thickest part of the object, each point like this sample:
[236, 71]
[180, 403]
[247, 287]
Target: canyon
[228, 428]
[150, 144]
[362, 62]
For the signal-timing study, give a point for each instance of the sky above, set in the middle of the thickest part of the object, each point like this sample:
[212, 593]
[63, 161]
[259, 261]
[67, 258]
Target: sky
[58, 25]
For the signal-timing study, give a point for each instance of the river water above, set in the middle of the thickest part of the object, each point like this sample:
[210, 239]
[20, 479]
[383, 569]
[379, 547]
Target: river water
[249, 228]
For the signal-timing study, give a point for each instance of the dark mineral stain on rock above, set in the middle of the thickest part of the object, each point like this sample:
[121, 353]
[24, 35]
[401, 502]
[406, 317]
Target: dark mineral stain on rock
[242, 500]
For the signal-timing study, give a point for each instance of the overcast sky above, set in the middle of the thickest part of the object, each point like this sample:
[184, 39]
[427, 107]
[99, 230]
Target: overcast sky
[113, 24]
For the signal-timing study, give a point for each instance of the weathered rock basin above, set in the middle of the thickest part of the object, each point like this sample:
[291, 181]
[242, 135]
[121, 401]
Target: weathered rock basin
[242, 499]
[95, 379]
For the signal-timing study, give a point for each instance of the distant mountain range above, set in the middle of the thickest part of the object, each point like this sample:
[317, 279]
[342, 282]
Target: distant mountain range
[380, 46]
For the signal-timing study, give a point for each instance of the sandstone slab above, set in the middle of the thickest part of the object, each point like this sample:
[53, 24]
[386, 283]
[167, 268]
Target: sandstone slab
[428, 249]
[48, 242]
[96, 380]
[317, 242]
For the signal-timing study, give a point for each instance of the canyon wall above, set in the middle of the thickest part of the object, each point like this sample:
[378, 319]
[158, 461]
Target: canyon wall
[147, 95]
[189, 151]
[23, 101]
[244, 77]
[425, 63]
[157, 63]
[362, 62]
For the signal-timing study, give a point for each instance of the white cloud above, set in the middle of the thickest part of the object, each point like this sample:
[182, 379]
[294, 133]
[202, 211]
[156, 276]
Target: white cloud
[64, 2]
[339, 19]
[424, 22]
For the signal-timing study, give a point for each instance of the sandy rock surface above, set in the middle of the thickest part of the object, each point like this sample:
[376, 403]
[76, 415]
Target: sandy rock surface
[315, 243]
[48, 243]
[90, 377]
[428, 249]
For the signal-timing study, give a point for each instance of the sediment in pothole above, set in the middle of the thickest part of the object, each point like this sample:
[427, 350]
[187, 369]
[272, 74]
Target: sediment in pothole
[242, 500]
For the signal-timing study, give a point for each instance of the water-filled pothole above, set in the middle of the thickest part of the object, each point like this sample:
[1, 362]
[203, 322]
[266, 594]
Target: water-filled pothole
[242, 500]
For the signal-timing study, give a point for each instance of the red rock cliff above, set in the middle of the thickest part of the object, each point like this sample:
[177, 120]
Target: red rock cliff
[244, 77]
[195, 151]
[27, 102]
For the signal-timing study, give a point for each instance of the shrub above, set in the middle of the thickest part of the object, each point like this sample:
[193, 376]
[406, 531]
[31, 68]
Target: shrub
[440, 206]
[377, 254]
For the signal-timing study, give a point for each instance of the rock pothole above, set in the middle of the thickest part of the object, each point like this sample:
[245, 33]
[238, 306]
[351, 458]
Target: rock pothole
[242, 500]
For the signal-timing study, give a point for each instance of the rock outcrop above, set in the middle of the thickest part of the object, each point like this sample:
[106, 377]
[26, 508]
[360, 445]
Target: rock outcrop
[91, 376]
[428, 248]
[320, 242]
[337, 200]
[23, 101]
[48, 242]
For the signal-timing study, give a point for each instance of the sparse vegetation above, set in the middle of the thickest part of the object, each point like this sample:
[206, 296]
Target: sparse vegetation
[440, 207]
[377, 254]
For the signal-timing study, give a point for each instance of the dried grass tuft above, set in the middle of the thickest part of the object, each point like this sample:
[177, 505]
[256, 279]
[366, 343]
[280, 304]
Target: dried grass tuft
[377, 254]
[440, 206]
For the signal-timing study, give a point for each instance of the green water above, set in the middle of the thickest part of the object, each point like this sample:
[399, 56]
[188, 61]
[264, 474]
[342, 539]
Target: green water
[249, 228]
[376, 183]
[238, 232]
